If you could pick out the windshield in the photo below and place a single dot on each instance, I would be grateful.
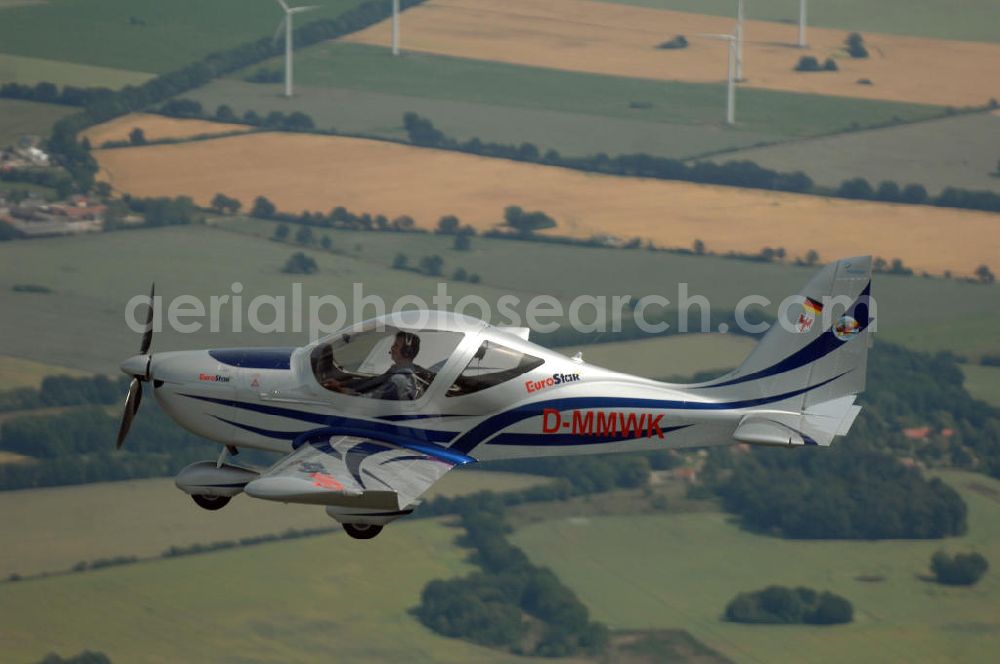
(386, 363)
(492, 364)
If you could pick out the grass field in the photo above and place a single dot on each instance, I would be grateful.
(621, 40)
(81, 324)
(31, 70)
(928, 18)
(958, 152)
(570, 132)
(680, 570)
(326, 597)
(983, 382)
(156, 127)
(59, 527)
(27, 117)
(18, 372)
(163, 37)
(319, 172)
(681, 355)
(529, 84)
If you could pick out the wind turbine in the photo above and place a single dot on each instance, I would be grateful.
(286, 22)
(802, 23)
(731, 75)
(740, 16)
(395, 27)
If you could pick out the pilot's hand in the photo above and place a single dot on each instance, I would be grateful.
(332, 384)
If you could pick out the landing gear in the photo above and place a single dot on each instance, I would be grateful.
(362, 530)
(211, 503)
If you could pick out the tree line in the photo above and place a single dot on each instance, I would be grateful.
(488, 607)
(76, 158)
(777, 605)
(747, 174)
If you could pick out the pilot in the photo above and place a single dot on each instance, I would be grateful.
(398, 383)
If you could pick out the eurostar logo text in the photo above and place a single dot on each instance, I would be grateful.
(554, 379)
(213, 378)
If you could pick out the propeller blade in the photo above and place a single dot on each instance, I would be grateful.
(147, 335)
(129, 410)
(283, 5)
(281, 28)
(299, 10)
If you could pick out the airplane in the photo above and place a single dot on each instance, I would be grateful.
(370, 417)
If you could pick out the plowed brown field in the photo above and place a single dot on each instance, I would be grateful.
(303, 172)
(621, 40)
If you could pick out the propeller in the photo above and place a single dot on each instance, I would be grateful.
(138, 368)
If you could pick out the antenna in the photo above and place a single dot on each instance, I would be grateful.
(395, 27)
(802, 24)
(731, 78)
(286, 23)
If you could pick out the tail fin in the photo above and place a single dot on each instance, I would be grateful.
(807, 370)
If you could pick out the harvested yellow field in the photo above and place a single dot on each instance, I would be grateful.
(621, 40)
(156, 127)
(302, 172)
(18, 372)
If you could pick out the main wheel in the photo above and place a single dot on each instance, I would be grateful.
(362, 530)
(210, 502)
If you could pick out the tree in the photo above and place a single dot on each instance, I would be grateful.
(298, 121)
(262, 208)
(888, 191)
(224, 113)
(527, 223)
(103, 190)
(964, 569)
(304, 235)
(460, 275)
(857, 188)
(137, 136)
(463, 242)
(401, 262)
(699, 247)
(448, 225)
(830, 65)
(679, 41)
(282, 232)
(299, 263)
(915, 194)
(432, 265)
(985, 275)
(807, 63)
(812, 257)
(855, 44)
(221, 203)
(326, 243)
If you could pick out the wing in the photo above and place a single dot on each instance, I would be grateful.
(350, 471)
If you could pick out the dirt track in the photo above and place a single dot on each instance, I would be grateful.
(302, 172)
(621, 40)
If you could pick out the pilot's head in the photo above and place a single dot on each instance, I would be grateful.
(405, 347)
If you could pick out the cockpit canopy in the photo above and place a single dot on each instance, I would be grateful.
(398, 362)
(383, 362)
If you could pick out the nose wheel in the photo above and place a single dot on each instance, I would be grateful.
(362, 530)
(210, 503)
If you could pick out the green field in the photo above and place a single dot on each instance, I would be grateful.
(27, 117)
(18, 372)
(163, 36)
(680, 570)
(983, 382)
(81, 325)
(29, 70)
(325, 598)
(59, 527)
(923, 314)
(950, 152)
(374, 69)
(974, 20)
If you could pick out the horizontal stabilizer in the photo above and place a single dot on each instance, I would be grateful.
(817, 425)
